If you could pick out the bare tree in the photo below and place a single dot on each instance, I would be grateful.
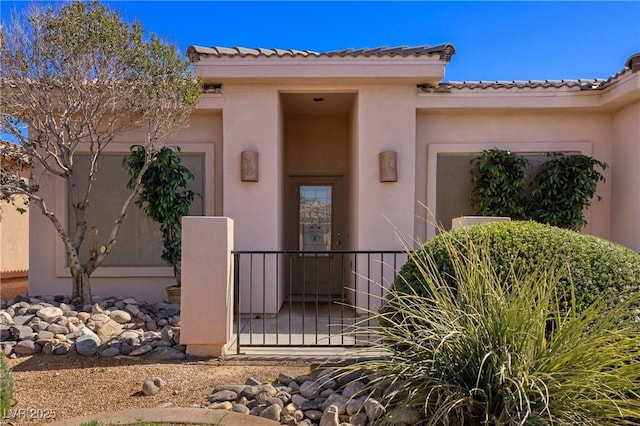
(78, 76)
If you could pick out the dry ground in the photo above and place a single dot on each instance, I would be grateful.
(72, 385)
(49, 387)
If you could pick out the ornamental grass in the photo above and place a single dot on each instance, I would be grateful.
(502, 350)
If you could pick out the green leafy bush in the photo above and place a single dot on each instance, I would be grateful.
(498, 183)
(471, 349)
(6, 386)
(163, 196)
(564, 188)
(594, 264)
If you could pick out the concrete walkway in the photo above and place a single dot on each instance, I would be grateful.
(171, 416)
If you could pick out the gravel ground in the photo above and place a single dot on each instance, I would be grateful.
(48, 387)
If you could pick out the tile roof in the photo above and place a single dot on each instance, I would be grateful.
(632, 65)
(445, 51)
(447, 86)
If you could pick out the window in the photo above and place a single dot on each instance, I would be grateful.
(139, 242)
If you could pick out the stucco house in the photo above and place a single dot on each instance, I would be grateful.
(14, 225)
(346, 150)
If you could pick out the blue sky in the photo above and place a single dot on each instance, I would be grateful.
(507, 40)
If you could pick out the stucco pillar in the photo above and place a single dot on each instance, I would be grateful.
(206, 311)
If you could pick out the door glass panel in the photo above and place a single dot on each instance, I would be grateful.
(314, 211)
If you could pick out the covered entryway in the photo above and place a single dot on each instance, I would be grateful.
(316, 202)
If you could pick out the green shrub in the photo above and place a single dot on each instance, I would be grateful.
(498, 183)
(6, 386)
(480, 352)
(594, 264)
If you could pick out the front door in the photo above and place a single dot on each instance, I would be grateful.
(315, 225)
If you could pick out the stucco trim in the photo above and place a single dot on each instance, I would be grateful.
(434, 149)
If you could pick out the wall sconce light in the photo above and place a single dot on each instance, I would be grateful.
(249, 166)
(388, 166)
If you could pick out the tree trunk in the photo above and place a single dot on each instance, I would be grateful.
(81, 289)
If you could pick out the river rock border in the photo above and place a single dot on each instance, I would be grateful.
(109, 327)
(325, 398)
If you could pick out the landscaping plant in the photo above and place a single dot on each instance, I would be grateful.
(564, 189)
(6, 386)
(559, 193)
(163, 196)
(498, 183)
(80, 77)
(501, 346)
(593, 264)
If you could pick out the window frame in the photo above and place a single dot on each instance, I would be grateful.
(119, 148)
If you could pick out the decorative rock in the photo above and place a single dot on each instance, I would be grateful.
(120, 317)
(285, 379)
(34, 308)
(313, 404)
(57, 329)
(5, 332)
(309, 389)
(22, 332)
(49, 313)
(313, 415)
(223, 395)
(83, 316)
(151, 325)
(27, 347)
(87, 344)
(330, 416)
(132, 309)
(5, 318)
(67, 308)
(39, 326)
(142, 350)
(355, 405)
(272, 412)
(275, 401)
(129, 301)
(45, 335)
(358, 419)
(62, 349)
(110, 351)
(298, 399)
(374, 409)
(337, 401)
(252, 382)
(409, 417)
(48, 348)
(164, 354)
(108, 330)
(240, 408)
(96, 309)
(223, 405)
(152, 385)
(352, 389)
(23, 319)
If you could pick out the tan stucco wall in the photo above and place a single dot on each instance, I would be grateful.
(513, 130)
(48, 273)
(14, 239)
(316, 144)
(251, 122)
(386, 122)
(625, 177)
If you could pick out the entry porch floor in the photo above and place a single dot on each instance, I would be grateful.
(312, 329)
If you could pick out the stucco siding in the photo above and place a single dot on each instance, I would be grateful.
(625, 211)
(49, 275)
(14, 240)
(517, 131)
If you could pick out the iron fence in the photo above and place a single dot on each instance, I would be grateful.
(309, 298)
